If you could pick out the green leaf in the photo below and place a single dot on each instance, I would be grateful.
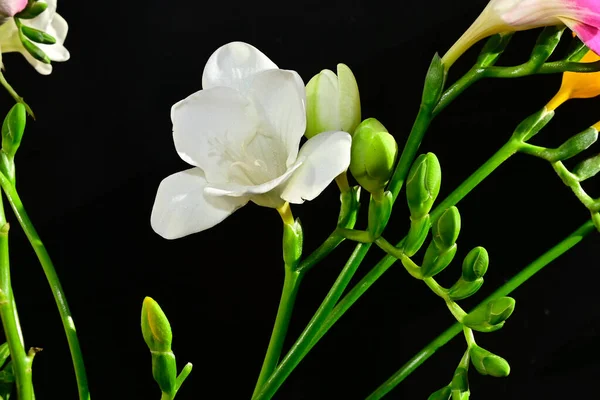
(37, 36)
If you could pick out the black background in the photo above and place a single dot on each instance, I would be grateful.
(89, 167)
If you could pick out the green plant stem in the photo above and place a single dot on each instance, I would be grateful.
(54, 282)
(15, 95)
(282, 321)
(10, 322)
(298, 350)
(516, 281)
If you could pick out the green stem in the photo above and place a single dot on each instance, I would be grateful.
(55, 286)
(21, 362)
(282, 321)
(468, 79)
(15, 95)
(302, 345)
(504, 290)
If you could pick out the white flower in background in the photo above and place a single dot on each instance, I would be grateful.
(48, 21)
(241, 133)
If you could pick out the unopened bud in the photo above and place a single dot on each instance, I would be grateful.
(487, 363)
(475, 264)
(423, 184)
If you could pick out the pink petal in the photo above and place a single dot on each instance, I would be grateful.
(12, 7)
(590, 35)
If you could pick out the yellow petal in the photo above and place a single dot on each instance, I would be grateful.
(578, 85)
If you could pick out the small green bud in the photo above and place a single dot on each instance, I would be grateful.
(373, 156)
(436, 260)
(575, 145)
(292, 243)
(332, 102)
(155, 327)
(442, 394)
(419, 229)
(369, 125)
(35, 51)
(13, 129)
(588, 168)
(32, 10)
(490, 316)
(37, 36)
(423, 184)
(446, 229)
(487, 363)
(531, 125)
(475, 264)
(380, 209)
(463, 289)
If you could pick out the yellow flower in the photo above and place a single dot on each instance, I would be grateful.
(578, 85)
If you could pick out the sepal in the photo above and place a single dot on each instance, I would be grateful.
(293, 240)
(487, 363)
(434, 82)
(436, 260)
(490, 316)
(463, 289)
(419, 229)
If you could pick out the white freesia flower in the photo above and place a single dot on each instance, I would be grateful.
(241, 133)
(48, 21)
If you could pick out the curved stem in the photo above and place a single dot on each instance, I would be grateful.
(10, 322)
(302, 345)
(516, 281)
(55, 286)
(15, 95)
(282, 322)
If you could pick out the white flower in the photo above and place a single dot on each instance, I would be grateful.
(48, 21)
(241, 133)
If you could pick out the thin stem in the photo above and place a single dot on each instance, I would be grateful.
(55, 286)
(10, 323)
(468, 79)
(282, 321)
(302, 345)
(15, 95)
(516, 281)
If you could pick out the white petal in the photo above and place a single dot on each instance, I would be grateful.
(211, 128)
(349, 108)
(57, 29)
(323, 157)
(232, 63)
(280, 99)
(181, 207)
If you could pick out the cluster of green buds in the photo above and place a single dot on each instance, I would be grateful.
(29, 36)
(13, 129)
(157, 334)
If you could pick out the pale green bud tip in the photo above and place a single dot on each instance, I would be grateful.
(369, 125)
(373, 156)
(442, 394)
(155, 326)
(475, 264)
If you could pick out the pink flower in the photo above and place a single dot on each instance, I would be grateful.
(581, 16)
(9, 8)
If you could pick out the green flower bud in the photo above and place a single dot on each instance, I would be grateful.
(373, 156)
(487, 363)
(578, 143)
(158, 336)
(369, 125)
(446, 229)
(475, 264)
(463, 289)
(332, 102)
(13, 129)
(423, 184)
(588, 168)
(434, 81)
(533, 124)
(155, 327)
(292, 243)
(419, 229)
(32, 10)
(490, 316)
(436, 260)
(36, 35)
(380, 209)
(442, 394)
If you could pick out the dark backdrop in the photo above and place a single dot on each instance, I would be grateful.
(89, 167)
